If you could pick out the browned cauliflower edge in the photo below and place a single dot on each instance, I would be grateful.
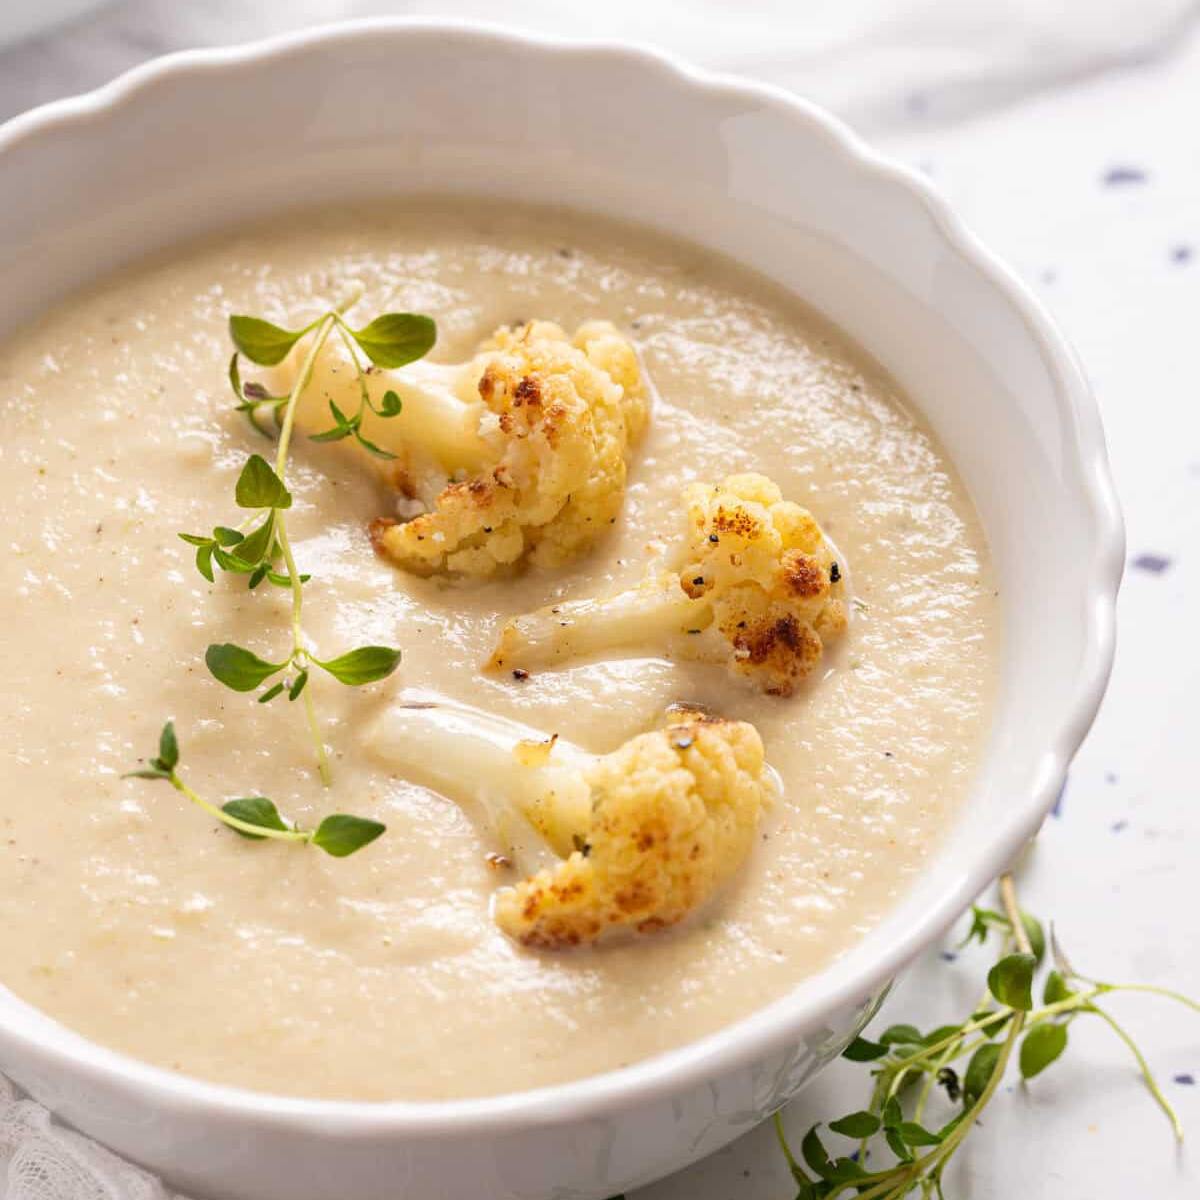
(757, 587)
(673, 815)
(559, 415)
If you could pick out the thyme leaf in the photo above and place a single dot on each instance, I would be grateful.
(260, 549)
(367, 664)
(259, 487)
(262, 342)
(256, 817)
(341, 834)
(257, 811)
(908, 1068)
(1011, 981)
(239, 668)
(396, 339)
(1042, 1045)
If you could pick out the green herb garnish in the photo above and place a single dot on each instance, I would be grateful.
(256, 817)
(908, 1067)
(260, 547)
(392, 340)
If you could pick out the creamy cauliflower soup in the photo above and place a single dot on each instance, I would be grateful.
(835, 751)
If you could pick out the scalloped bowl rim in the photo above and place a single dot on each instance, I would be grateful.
(780, 1020)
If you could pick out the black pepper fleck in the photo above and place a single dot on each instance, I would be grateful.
(835, 573)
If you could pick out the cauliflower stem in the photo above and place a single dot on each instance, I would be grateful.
(757, 588)
(632, 841)
(438, 425)
(657, 613)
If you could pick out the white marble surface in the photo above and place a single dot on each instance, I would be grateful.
(1090, 186)
(1117, 870)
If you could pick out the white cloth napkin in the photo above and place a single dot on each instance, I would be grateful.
(875, 62)
(881, 64)
(41, 1160)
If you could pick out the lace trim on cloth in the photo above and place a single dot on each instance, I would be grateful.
(43, 1160)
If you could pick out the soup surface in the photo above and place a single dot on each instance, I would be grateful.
(133, 917)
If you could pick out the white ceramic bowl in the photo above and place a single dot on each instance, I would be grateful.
(202, 140)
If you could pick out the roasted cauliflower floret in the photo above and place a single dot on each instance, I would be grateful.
(631, 841)
(673, 814)
(757, 588)
(564, 416)
(517, 455)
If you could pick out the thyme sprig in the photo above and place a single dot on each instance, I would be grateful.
(909, 1067)
(260, 547)
(256, 817)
